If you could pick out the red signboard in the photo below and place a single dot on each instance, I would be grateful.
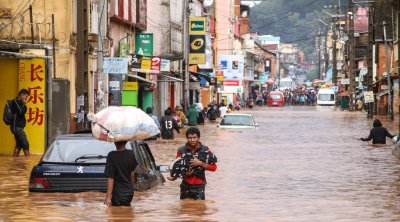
(231, 83)
(155, 63)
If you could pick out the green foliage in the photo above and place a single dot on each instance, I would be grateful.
(295, 21)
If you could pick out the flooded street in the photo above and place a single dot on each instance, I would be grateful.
(300, 164)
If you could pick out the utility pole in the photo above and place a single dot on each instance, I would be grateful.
(31, 24)
(351, 55)
(319, 54)
(334, 62)
(186, 54)
(390, 111)
(326, 56)
(369, 56)
(101, 78)
(398, 50)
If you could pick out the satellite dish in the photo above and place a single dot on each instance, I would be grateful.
(208, 3)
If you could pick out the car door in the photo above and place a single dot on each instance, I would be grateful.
(155, 176)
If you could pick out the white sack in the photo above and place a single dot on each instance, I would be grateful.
(123, 124)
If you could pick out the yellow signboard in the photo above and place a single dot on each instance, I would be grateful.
(130, 86)
(197, 58)
(146, 63)
(32, 76)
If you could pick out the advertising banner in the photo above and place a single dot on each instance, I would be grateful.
(32, 76)
(197, 40)
(144, 44)
(232, 65)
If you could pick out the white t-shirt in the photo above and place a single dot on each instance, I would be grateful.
(223, 110)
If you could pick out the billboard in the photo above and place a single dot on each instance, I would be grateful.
(232, 66)
(197, 40)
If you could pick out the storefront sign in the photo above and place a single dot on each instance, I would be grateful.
(115, 85)
(144, 44)
(130, 86)
(197, 40)
(345, 81)
(123, 49)
(32, 76)
(197, 25)
(155, 63)
(230, 89)
(233, 66)
(197, 52)
(368, 97)
(231, 83)
(219, 73)
(115, 65)
(165, 65)
(146, 63)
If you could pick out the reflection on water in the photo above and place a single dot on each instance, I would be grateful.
(301, 164)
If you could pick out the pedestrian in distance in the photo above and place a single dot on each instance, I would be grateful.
(168, 124)
(180, 116)
(378, 133)
(192, 115)
(17, 125)
(120, 170)
(194, 179)
(149, 111)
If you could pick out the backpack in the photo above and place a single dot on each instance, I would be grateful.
(8, 115)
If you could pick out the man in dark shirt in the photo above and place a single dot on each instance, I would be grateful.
(18, 108)
(168, 124)
(193, 185)
(120, 170)
(378, 133)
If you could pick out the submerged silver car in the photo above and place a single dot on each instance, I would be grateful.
(238, 120)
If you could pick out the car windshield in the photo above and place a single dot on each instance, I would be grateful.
(275, 97)
(326, 97)
(79, 150)
(237, 120)
(285, 83)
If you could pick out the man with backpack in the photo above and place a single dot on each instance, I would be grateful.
(17, 108)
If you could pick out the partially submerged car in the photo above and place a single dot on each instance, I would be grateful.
(76, 163)
(240, 120)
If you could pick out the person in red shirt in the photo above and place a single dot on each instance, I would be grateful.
(194, 181)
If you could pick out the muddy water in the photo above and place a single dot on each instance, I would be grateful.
(301, 164)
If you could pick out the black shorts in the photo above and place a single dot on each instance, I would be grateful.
(121, 200)
(21, 141)
(195, 192)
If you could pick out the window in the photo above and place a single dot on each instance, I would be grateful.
(68, 150)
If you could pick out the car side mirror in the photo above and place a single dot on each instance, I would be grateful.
(163, 168)
(256, 125)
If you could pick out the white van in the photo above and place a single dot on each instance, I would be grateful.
(326, 97)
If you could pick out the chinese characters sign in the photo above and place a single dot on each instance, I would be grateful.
(32, 76)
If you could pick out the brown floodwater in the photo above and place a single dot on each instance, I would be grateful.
(300, 164)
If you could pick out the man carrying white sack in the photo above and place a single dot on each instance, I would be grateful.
(120, 170)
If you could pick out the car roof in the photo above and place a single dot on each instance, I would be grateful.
(237, 114)
(76, 136)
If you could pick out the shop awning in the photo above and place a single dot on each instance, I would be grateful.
(140, 78)
(169, 78)
(198, 75)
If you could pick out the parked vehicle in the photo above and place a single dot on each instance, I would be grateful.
(326, 97)
(276, 98)
(76, 163)
(232, 120)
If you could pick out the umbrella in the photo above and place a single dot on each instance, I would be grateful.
(270, 81)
